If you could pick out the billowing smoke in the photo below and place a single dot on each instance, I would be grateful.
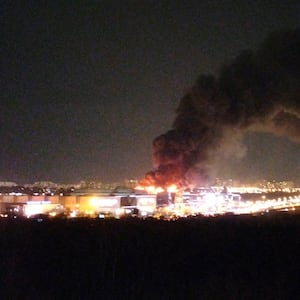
(258, 91)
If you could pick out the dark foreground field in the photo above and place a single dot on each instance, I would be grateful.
(205, 258)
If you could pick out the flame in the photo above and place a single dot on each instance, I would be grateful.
(151, 189)
(172, 188)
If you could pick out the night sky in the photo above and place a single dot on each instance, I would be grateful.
(87, 85)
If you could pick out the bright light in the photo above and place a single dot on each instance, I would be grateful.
(119, 211)
(103, 202)
(73, 214)
(150, 189)
(172, 188)
(94, 201)
(143, 201)
(31, 210)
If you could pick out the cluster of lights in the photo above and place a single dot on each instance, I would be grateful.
(264, 206)
(206, 203)
(218, 206)
(216, 203)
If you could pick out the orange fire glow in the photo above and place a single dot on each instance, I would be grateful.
(172, 188)
(151, 189)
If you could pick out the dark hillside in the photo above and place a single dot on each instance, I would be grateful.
(226, 257)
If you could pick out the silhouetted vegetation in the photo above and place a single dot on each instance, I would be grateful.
(227, 257)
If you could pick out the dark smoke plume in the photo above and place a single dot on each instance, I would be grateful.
(258, 91)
